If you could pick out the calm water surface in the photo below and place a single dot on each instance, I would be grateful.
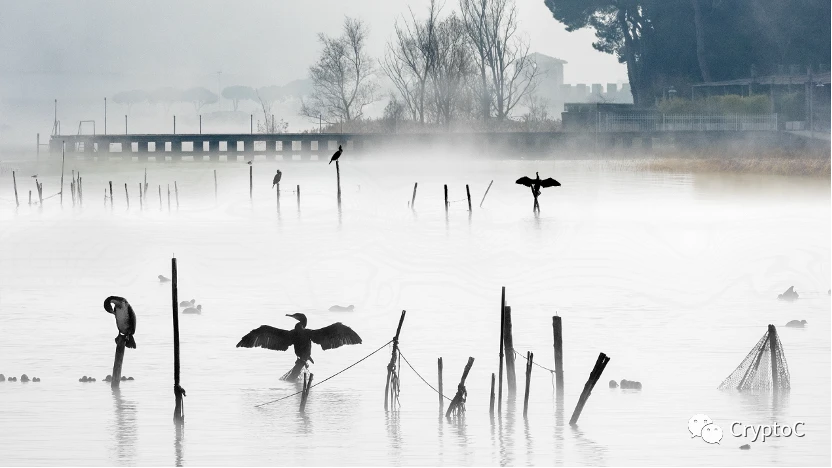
(675, 277)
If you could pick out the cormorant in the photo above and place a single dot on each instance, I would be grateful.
(162, 279)
(329, 337)
(336, 155)
(789, 295)
(125, 318)
(191, 310)
(536, 184)
(337, 308)
(277, 178)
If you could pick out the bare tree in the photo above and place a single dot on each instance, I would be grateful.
(409, 59)
(474, 19)
(452, 68)
(343, 76)
(507, 72)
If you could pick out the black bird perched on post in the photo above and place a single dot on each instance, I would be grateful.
(125, 318)
(336, 155)
(536, 184)
(277, 177)
(329, 337)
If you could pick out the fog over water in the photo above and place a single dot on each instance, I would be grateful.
(674, 276)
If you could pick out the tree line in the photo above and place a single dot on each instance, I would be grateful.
(200, 97)
(473, 65)
(683, 42)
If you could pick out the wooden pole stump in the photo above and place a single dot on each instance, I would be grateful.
(338, 175)
(491, 404)
(529, 363)
(441, 395)
(391, 367)
(600, 364)
(251, 182)
(502, 330)
(304, 396)
(486, 193)
(772, 343)
(63, 158)
(30, 198)
(298, 189)
(119, 358)
(457, 406)
(176, 191)
(508, 345)
(446, 198)
(168, 197)
(557, 335)
(160, 198)
(468, 193)
(126, 196)
(111, 194)
(178, 391)
(141, 198)
(14, 181)
(413, 199)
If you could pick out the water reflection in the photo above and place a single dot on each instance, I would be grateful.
(592, 451)
(177, 443)
(125, 428)
(505, 427)
(559, 428)
(529, 447)
(395, 435)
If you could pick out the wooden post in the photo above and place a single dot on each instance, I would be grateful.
(392, 363)
(508, 345)
(468, 192)
(127, 196)
(215, 185)
(491, 405)
(338, 175)
(72, 187)
(557, 334)
(600, 364)
(141, 198)
(458, 403)
(111, 193)
(529, 363)
(176, 192)
(486, 193)
(30, 198)
(80, 190)
(441, 398)
(446, 198)
(14, 181)
(772, 343)
(251, 182)
(120, 343)
(40, 191)
(304, 396)
(168, 197)
(178, 391)
(145, 181)
(174, 125)
(200, 124)
(63, 158)
(413, 200)
(502, 329)
(298, 197)
(278, 196)
(160, 198)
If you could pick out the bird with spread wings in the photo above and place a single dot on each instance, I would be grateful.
(536, 184)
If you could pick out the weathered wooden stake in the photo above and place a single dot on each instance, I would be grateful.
(491, 405)
(772, 343)
(160, 198)
(413, 200)
(141, 198)
(600, 364)
(215, 185)
(441, 397)
(30, 198)
(502, 330)
(458, 403)
(40, 191)
(446, 198)
(392, 365)
(486, 193)
(126, 196)
(557, 335)
(338, 175)
(468, 192)
(508, 345)
(14, 181)
(176, 191)
(298, 197)
(304, 396)
(145, 181)
(118, 361)
(111, 193)
(178, 391)
(168, 197)
(251, 182)
(529, 363)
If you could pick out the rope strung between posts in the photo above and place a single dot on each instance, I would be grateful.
(552, 373)
(324, 380)
(420, 375)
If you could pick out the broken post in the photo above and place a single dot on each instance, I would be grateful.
(457, 406)
(508, 345)
(557, 334)
(168, 197)
(30, 198)
(391, 367)
(141, 198)
(413, 200)
(529, 362)
(160, 198)
(111, 194)
(441, 398)
(446, 198)
(251, 182)
(121, 341)
(298, 197)
(338, 174)
(145, 181)
(772, 343)
(176, 192)
(486, 193)
(178, 391)
(468, 192)
(40, 191)
(14, 181)
(502, 329)
(126, 196)
(491, 405)
(600, 364)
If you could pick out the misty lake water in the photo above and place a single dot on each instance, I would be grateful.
(674, 276)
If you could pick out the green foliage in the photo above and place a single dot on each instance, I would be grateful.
(715, 105)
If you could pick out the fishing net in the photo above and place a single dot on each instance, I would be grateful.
(764, 368)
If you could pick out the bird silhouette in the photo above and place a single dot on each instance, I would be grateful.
(187, 303)
(162, 279)
(34, 176)
(125, 318)
(278, 175)
(536, 184)
(789, 295)
(301, 338)
(336, 155)
(249, 163)
(193, 310)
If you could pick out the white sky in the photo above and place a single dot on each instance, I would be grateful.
(106, 46)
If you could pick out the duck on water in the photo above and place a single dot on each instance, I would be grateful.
(337, 308)
(193, 310)
(301, 338)
(125, 318)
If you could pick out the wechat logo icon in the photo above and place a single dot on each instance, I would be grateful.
(702, 426)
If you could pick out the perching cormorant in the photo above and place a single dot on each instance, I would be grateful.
(329, 337)
(536, 184)
(125, 318)
(336, 155)
(277, 177)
